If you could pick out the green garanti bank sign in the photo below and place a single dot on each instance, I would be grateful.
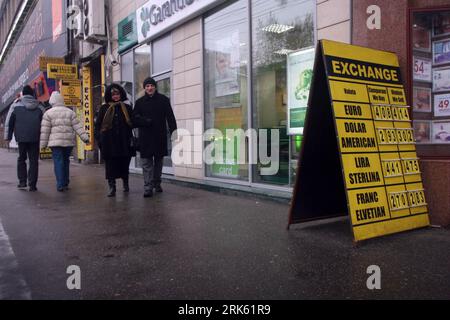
(158, 16)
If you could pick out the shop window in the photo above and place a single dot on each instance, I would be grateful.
(162, 55)
(281, 29)
(127, 73)
(431, 81)
(226, 97)
(142, 58)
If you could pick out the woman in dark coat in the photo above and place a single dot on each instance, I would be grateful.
(113, 128)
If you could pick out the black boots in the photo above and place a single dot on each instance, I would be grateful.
(112, 188)
(148, 194)
(126, 186)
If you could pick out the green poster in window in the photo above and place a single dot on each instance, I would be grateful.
(300, 70)
(227, 119)
(297, 117)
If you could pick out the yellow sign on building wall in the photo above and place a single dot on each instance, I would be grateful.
(44, 61)
(88, 111)
(80, 144)
(379, 168)
(71, 92)
(62, 71)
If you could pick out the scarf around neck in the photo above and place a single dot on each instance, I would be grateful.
(109, 115)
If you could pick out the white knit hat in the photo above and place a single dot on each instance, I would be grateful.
(56, 100)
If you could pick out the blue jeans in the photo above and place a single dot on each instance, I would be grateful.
(61, 163)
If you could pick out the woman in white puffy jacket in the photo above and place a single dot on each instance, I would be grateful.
(58, 132)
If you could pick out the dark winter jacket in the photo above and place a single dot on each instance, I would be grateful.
(115, 142)
(25, 120)
(152, 115)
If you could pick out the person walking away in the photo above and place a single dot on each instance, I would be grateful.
(113, 129)
(24, 121)
(58, 132)
(8, 116)
(151, 115)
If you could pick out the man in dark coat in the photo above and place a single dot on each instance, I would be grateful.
(24, 121)
(151, 115)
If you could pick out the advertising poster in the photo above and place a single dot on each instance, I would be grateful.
(421, 99)
(422, 131)
(57, 19)
(441, 132)
(227, 118)
(300, 67)
(227, 62)
(442, 105)
(441, 52)
(441, 80)
(422, 69)
(40, 86)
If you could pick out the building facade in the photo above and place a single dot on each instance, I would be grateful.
(29, 29)
(230, 65)
(224, 66)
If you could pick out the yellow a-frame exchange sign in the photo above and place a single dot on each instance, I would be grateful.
(359, 154)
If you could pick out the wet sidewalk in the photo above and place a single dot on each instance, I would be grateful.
(191, 244)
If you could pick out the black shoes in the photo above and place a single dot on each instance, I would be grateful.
(112, 188)
(148, 194)
(111, 193)
(65, 188)
(126, 186)
(22, 186)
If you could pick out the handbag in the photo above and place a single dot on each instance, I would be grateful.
(134, 144)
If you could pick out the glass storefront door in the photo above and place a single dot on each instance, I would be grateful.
(163, 84)
(279, 29)
(140, 70)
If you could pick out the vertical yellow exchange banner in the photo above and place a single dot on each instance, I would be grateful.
(88, 110)
(80, 144)
(382, 178)
(102, 62)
